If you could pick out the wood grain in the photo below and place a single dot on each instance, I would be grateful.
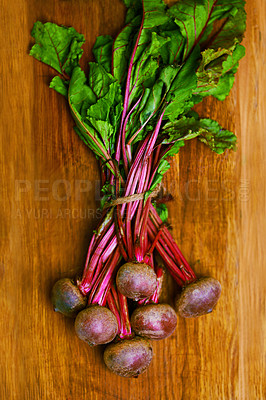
(49, 195)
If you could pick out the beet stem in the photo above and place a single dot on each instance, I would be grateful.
(118, 305)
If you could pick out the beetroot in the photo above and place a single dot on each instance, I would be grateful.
(198, 298)
(67, 299)
(133, 108)
(96, 325)
(136, 280)
(128, 358)
(154, 321)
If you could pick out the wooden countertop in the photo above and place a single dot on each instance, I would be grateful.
(218, 218)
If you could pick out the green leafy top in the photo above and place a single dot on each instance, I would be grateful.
(164, 61)
(59, 47)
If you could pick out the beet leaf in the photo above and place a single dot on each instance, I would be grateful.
(163, 62)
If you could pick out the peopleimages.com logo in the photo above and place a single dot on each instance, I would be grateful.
(192, 190)
(80, 199)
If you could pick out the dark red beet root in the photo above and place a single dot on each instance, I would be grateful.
(128, 358)
(198, 298)
(67, 299)
(154, 321)
(136, 280)
(96, 325)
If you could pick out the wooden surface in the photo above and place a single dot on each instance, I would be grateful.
(49, 196)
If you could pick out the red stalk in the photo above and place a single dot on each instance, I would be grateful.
(148, 255)
(160, 274)
(124, 314)
(118, 305)
(114, 308)
(105, 279)
(120, 233)
(169, 239)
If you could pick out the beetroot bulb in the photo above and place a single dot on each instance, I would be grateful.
(198, 298)
(154, 321)
(96, 325)
(136, 280)
(67, 298)
(128, 358)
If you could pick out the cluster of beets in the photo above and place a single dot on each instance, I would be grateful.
(99, 301)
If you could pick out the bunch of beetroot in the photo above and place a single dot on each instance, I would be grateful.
(104, 321)
(99, 301)
(133, 110)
